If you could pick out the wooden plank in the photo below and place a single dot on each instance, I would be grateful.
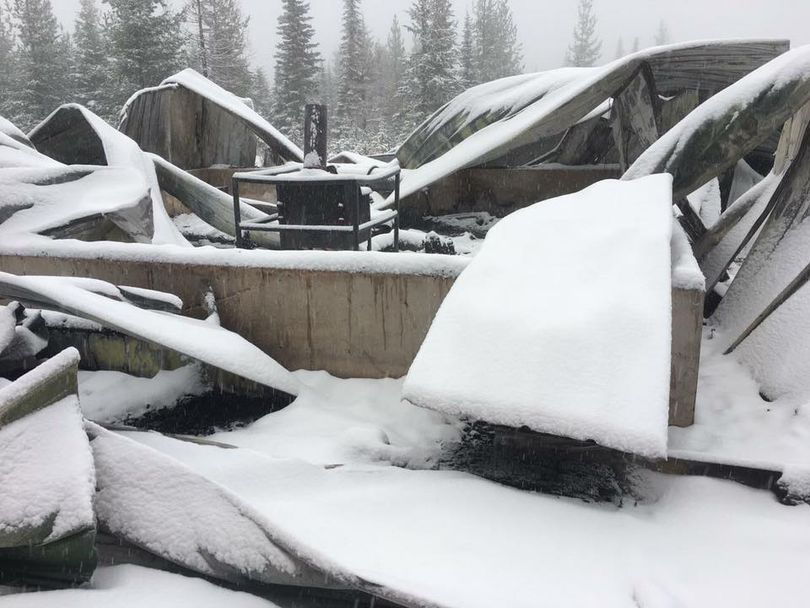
(635, 116)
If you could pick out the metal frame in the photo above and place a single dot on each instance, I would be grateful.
(287, 174)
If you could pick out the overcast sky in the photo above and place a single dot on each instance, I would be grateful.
(545, 26)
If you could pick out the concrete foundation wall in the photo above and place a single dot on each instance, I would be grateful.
(348, 323)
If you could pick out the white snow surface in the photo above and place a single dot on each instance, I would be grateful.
(9, 128)
(109, 396)
(338, 421)
(706, 202)
(562, 323)
(46, 470)
(204, 341)
(734, 424)
(328, 261)
(8, 323)
(436, 537)
(686, 273)
(194, 81)
(104, 190)
(128, 586)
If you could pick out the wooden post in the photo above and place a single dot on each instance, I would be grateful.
(315, 125)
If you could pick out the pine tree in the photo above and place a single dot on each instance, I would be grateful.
(394, 74)
(636, 44)
(620, 49)
(351, 114)
(431, 79)
(297, 68)
(662, 35)
(260, 93)
(586, 48)
(218, 32)
(146, 44)
(496, 50)
(43, 63)
(467, 50)
(91, 61)
(8, 65)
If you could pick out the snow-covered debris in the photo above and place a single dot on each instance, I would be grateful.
(443, 538)
(112, 397)
(203, 341)
(127, 586)
(562, 323)
(716, 135)
(46, 469)
(109, 146)
(686, 273)
(194, 81)
(157, 503)
(488, 121)
(9, 128)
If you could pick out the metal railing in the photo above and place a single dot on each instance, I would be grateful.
(296, 175)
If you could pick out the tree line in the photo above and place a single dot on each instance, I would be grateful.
(377, 91)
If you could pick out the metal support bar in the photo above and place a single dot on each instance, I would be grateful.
(237, 214)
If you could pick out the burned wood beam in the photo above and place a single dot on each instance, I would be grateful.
(315, 129)
(635, 116)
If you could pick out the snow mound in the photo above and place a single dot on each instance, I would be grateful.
(563, 321)
(46, 469)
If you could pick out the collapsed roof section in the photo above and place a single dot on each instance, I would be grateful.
(495, 119)
(194, 123)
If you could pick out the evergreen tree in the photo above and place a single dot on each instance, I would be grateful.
(260, 93)
(354, 56)
(146, 44)
(43, 63)
(636, 44)
(297, 68)
(586, 48)
(219, 43)
(431, 79)
(8, 66)
(496, 51)
(395, 67)
(662, 35)
(620, 49)
(467, 50)
(91, 61)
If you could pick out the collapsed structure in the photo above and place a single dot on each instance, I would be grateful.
(577, 332)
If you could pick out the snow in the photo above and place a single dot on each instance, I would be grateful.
(335, 421)
(150, 499)
(127, 586)
(706, 202)
(202, 341)
(194, 81)
(405, 263)
(449, 539)
(8, 322)
(755, 200)
(46, 471)
(121, 151)
(781, 72)
(734, 424)
(10, 129)
(108, 396)
(95, 190)
(686, 273)
(562, 322)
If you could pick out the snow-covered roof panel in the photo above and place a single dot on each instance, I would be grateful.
(562, 322)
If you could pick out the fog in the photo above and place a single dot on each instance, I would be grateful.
(545, 25)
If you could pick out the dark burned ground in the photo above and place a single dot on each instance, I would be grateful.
(207, 414)
(542, 463)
